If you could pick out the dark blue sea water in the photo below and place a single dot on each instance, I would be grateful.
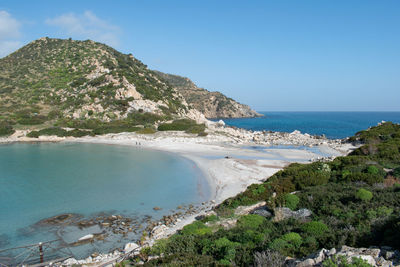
(331, 124)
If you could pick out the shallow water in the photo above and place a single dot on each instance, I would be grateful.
(38, 181)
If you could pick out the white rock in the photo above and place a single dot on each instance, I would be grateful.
(130, 247)
(86, 237)
(70, 261)
(244, 210)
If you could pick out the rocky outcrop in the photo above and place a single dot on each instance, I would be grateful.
(384, 256)
(286, 213)
(211, 104)
(244, 210)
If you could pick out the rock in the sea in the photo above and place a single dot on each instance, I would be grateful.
(86, 237)
(156, 208)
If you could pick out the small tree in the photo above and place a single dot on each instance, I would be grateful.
(291, 201)
(364, 195)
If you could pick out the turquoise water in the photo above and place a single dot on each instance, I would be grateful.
(332, 124)
(38, 181)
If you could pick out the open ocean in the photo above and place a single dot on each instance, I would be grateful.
(331, 124)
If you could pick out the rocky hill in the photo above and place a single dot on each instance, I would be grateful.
(211, 104)
(50, 79)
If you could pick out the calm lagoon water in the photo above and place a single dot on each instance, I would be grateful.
(332, 124)
(39, 181)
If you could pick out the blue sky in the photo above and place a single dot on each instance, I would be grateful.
(273, 55)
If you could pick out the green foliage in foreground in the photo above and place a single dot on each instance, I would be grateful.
(351, 203)
(6, 128)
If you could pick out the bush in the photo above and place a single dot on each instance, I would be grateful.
(293, 239)
(363, 195)
(315, 228)
(251, 221)
(372, 169)
(146, 131)
(33, 134)
(196, 129)
(6, 129)
(396, 172)
(196, 228)
(291, 201)
(178, 125)
(384, 211)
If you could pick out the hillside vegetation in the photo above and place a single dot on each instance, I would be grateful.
(354, 200)
(53, 78)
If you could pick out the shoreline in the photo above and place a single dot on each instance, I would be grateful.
(228, 166)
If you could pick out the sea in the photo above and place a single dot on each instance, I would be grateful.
(334, 125)
(42, 180)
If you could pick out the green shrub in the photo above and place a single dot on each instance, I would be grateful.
(6, 129)
(196, 228)
(363, 195)
(146, 131)
(211, 218)
(384, 211)
(33, 134)
(251, 221)
(196, 129)
(293, 239)
(372, 169)
(396, 172)
(178, 125)
(315, 228)
(291, 201)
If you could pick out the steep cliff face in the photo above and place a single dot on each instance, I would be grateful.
(211, 104)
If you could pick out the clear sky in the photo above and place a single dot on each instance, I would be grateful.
(340, 55)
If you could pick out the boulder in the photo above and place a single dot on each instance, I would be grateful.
(245, 210)
(262, 212)
(129, 247)
(286, 213)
